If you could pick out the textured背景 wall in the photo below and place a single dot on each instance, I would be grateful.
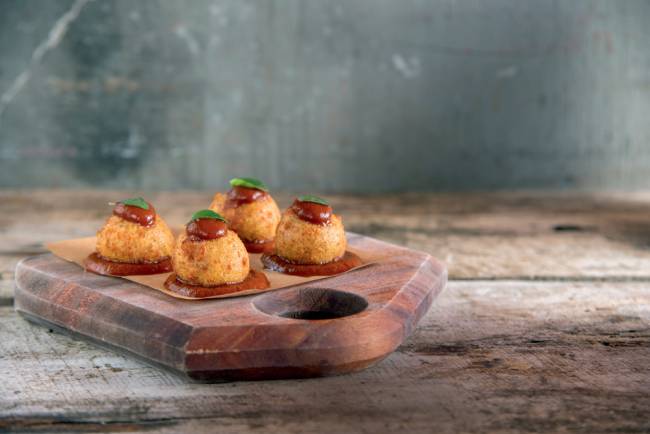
(337, 95)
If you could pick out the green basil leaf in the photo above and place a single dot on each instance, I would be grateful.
(136, 201)
(207, 214)
(249, 183)
(314, 199)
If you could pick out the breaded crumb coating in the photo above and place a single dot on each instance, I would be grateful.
(211, 262)
(306, 243)
(255, 221)
(120, 240)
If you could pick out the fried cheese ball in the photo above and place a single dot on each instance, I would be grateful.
(255, 221)
(303, 242)
(211, 262)
(120, 240)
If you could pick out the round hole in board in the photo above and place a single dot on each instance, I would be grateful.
(311, 303)
(568, 228)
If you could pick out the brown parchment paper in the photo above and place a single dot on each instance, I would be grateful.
(77, 251)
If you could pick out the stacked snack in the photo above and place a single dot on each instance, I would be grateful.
(209, 259)
(251, 212)
(134, 240)
(310, 240)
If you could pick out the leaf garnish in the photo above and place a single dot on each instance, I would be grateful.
(207, 214)
(312, 198)
(135, 201)
(249, 183)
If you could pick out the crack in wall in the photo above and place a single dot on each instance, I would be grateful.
(54, 37)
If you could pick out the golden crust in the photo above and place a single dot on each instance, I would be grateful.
(305, 243)
(256, 221)
(211, 262)
(120, 240)
(218, 203)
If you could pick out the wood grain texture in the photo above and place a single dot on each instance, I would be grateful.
(489, 356)
(370, 311)
(551, 332)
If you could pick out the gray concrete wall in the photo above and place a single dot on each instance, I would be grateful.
(334, 95)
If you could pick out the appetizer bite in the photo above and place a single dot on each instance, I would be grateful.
(251, 212)
(210, 260)
(134, 240)
(310, 241)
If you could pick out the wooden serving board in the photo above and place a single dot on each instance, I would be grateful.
(325, 327)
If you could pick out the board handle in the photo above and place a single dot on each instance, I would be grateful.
(311, 303)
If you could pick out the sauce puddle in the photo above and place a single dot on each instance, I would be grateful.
(99, 265)
(276, 263)
(254, 280)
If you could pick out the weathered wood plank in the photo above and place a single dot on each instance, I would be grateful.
(479, 236)
(491, 356)
(502, 356)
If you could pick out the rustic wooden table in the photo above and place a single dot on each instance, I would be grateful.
(544, 326)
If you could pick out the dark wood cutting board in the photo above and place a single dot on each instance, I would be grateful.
(326, 327)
